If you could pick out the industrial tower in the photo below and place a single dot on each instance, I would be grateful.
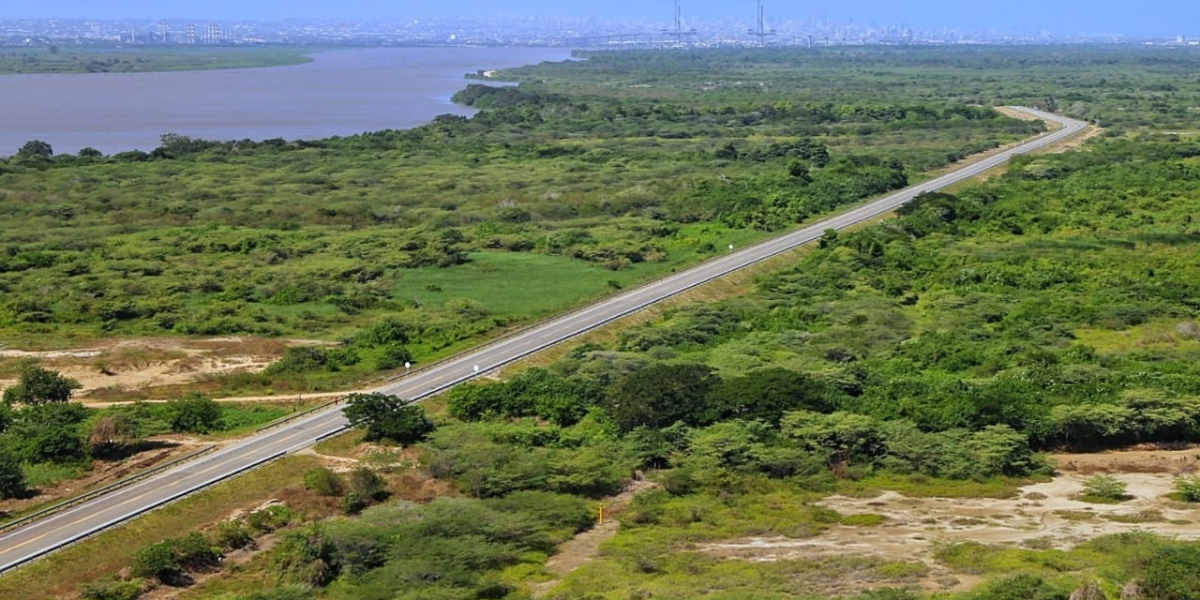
(762, 33)
(679, 33)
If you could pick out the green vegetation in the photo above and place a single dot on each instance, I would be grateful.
(1121, 87)
(99, 59)
(388, 418)
(45, 439)
(37, 386)
(1104, 489)
(98, 558)
(431, 226)
(450, 548)
(1188, 488)
(937, 353)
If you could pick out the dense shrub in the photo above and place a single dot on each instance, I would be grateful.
(1188, 488)
(1105, 488)
(324, 482)
(233, 534)
(194, 413)
(388, 418)
(111, 589)
(12, 476)
(270, 518)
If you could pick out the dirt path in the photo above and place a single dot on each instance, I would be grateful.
(584, 547)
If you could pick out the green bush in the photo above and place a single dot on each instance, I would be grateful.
(111, 588)
(158, 560)
(1172, 573)
(324, 482)
(196, 553)
(50, 433)
(233, 534)
(1105, 488)
(169, 559)
(40, 386)
(393, 356)
(1188, 488)
(388, 417)
(269, 519)
(194, 413)
(367, 483)
(305, 557)
(1021, 587)
(12, 476)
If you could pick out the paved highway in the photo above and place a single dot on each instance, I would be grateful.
(42, 537)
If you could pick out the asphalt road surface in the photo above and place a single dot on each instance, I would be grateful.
(47, 535)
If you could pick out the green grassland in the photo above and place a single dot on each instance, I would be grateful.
(60, 59)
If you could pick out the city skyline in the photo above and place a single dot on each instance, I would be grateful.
(1152, 18)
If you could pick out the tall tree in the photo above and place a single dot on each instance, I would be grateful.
(35, 150)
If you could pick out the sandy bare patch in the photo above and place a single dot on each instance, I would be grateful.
(1044, 515)
(142, 364)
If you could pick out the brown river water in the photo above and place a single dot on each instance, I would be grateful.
(342, 92)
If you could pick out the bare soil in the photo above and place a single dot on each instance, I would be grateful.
(1044, 515)
(114, 367)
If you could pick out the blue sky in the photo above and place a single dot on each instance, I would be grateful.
(1157, 17)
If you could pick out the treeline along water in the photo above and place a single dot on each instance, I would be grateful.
(342, 92)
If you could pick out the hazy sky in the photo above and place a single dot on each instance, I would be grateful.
(1159, 17)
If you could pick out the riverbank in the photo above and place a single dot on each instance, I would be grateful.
(341, 92)
(60, 61)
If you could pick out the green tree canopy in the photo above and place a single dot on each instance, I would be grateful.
(40, 386)
(388, 417)
(12, 477)
(50, 433)
(765, 395)
(35, 150)
(194, 413)
(662, 394)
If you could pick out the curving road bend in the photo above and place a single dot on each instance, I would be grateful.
(47, 535)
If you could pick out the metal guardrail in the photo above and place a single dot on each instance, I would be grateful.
(292, 417)
(104, 526)
(331, 434)
(96, 493)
